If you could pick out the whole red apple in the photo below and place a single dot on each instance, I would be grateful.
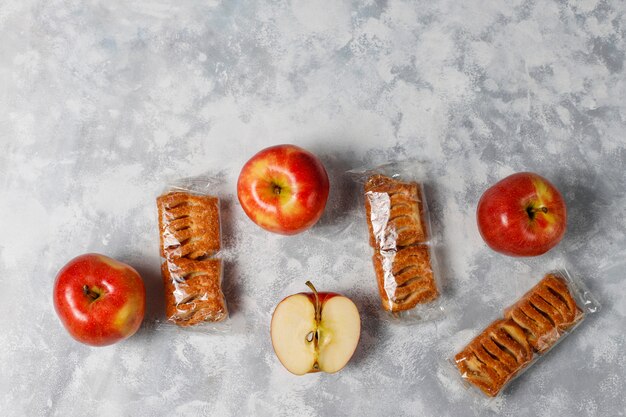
(99, 300)
(522, 215)
(283, 189)
(314, 332)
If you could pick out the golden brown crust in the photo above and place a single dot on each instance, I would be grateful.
(545, 312)
(193, 291)
(189, 225)
(397, 229)
(405, 278)
(495, 356)
(394, 213)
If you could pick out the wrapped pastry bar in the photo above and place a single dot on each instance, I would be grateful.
(495, 356)
(398, 233)
(395, 213)
(531, 326)
(545, 312)
(405, 277)
(193, 291)
(189, 226)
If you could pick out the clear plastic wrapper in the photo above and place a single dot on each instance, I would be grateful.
(525, 331)
(398, 220)
(190, 243)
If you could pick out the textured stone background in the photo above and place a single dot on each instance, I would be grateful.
(101, 103)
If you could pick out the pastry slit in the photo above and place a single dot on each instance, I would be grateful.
(399, 300)
(184, 236)
(477, 369)
(553, 313)
(402, 193)
(405, 269)
(179, 212)
(520, 340)
(176, 205)
(495, 365)
(192, 274)
(498, 352)
(491, 355)
(180, 223)
(184, 314)
(543, 313)
(178, 202)
(555, 302)
(417, 292)
(503, 347)
(531, 312)
(402, 205)
(559, 287)
(172, 217)
(410, 216)
(410, 196)
(187, 299)
(526, 321)
(559, 296)
(478, 358)
(410, 281)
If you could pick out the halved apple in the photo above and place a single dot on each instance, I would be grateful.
(314, 332)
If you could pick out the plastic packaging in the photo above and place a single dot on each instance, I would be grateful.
(526, 331)
(190, 242)
(400, 233)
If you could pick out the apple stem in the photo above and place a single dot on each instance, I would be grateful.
(90, 293)
(532, 210)
(277, 190)
(317, 301)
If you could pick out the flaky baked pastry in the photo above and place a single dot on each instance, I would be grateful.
(193, 291)
(405, 277)
(395, 220)
(533, 324)
(189, 225)
(394, 212)
(495, 356)
(190, 233)
(545, 312)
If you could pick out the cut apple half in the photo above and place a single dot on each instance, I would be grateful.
(314, 332)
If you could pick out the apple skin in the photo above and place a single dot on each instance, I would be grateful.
(522, 215)
(114, 315)
(283, 189)
(323, 297)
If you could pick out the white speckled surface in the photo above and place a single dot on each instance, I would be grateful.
(102, 102)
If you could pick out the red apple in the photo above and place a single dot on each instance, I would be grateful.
(99, 300)
(283, 189)
(522, 215)
(314, 332)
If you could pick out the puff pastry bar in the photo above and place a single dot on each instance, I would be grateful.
(189, 225)
(545, 312)
(405, 277)
(495, 356)
(193, 291)
(394, 212)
